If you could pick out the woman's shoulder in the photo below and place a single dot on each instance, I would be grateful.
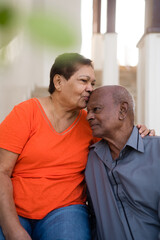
(25, 109)
(25, 103)
(29, 104)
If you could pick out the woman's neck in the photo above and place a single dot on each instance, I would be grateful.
(59, 116)
(60, 110)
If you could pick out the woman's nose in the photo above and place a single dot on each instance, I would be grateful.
(89, 87)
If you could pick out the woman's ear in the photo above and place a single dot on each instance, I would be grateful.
(57, 80)
(123, 111)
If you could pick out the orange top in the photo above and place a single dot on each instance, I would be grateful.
(49, 172)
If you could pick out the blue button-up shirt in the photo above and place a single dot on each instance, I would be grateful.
(125, 193)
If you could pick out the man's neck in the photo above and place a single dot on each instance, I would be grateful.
(119, 140)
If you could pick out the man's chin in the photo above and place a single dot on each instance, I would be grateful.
(95, 134)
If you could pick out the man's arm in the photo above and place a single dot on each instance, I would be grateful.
(9, 220)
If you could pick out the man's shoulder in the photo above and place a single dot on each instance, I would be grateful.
(152, 143)
(151, 139)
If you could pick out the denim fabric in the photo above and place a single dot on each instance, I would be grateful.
(67, 223)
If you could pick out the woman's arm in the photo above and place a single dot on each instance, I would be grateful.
(9, 220)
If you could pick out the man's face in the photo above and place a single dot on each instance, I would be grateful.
(102, 113)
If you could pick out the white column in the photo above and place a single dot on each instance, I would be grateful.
(97, 51)
(110, 63)
(148, 81)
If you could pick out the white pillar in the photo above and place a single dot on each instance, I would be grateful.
(110, 63)
(148, 81)
(97, 51)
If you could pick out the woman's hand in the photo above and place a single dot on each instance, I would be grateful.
(144, 131)
(18, 235)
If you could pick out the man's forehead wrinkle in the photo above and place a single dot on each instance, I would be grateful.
(94, 105)
(94, 98)
(100, 95)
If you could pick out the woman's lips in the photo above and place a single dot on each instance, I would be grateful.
(86, 98)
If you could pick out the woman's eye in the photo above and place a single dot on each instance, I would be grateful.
(84, 80)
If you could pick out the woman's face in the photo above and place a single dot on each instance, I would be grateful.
(75, 91)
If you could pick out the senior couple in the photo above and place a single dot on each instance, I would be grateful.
(44, 146)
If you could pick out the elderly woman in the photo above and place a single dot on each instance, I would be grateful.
(43, 153)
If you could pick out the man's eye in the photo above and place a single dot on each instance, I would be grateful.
(96, 109)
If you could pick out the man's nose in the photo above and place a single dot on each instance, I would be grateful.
(90, 116)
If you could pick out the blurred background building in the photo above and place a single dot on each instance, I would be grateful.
(122, 37)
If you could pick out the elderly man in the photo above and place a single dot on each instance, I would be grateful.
(123, 170)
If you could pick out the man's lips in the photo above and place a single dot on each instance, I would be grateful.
(93, 126)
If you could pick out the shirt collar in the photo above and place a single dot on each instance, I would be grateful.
(135, 141)
(100, 148)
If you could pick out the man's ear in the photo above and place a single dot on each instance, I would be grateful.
(123, 111)
(57, 80)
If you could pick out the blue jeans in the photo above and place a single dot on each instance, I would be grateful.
(67, 223)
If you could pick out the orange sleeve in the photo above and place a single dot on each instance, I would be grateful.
(16, 127)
